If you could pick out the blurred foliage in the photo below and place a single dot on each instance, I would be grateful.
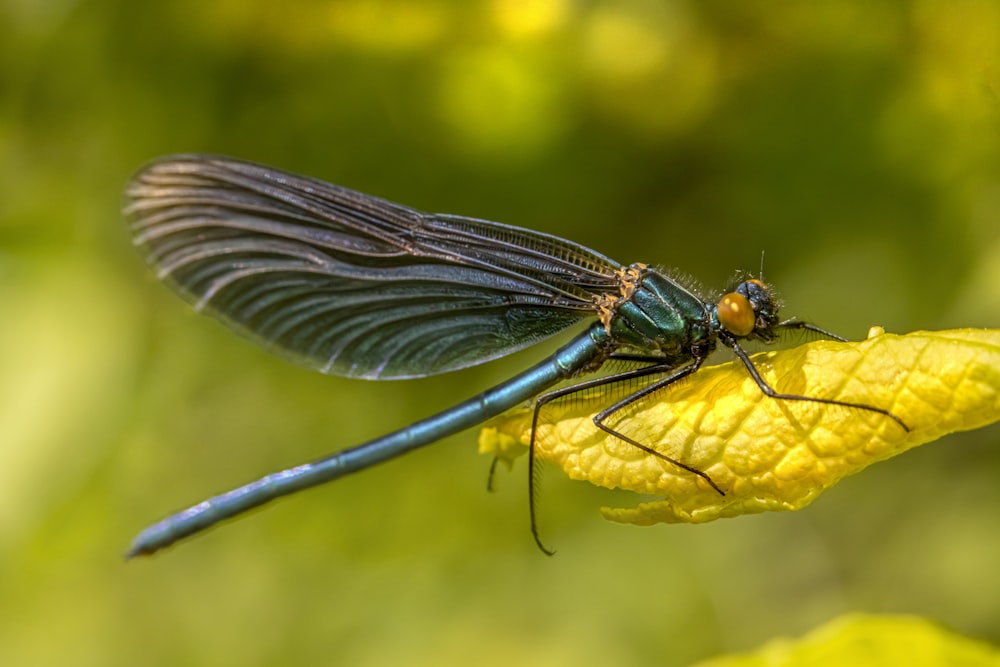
(857, 143)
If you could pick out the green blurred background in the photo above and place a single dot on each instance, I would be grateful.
(857, 143)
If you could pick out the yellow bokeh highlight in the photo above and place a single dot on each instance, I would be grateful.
(959, 38)
(941, 123)
(649, 51)
(624, 41)
(498, 104)
(387, 27)
(528, 18)
(378, 27)
(769, 454)
(66, 356)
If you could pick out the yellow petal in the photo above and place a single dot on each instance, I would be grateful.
(769, 454)
(864, 640)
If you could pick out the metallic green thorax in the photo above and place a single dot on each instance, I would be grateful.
(664, 317)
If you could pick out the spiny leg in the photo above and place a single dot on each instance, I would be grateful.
(658, 366)
(770, 392)
(676, 376)
(805, 326)
(640, 358)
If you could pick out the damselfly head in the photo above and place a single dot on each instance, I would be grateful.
(750, 310)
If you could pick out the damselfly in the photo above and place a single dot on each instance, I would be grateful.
(357, 286)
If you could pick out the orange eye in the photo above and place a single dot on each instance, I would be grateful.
(736, 314)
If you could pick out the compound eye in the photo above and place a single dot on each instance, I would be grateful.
(751, 287)
(736, 314)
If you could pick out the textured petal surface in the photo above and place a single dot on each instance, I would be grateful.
(768, 454)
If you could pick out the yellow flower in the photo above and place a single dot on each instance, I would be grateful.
(768, 454)
(867, 640)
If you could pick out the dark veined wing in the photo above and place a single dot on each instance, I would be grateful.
(351, 284)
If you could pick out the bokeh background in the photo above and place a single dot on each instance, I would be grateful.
(857, 144)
